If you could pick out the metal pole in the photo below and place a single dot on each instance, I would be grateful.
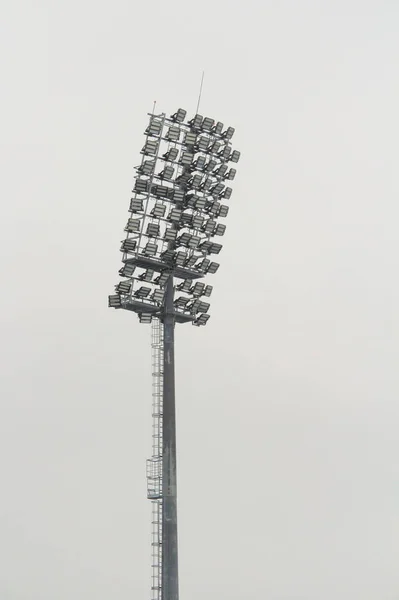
(170, 578)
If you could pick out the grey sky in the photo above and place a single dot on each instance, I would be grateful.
(288, 400)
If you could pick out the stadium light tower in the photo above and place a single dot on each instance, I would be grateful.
(175, 214)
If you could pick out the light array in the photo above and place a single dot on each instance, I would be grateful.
(174, 225)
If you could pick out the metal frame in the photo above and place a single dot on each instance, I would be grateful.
(169, 237)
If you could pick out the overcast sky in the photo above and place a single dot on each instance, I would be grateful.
(288, 408)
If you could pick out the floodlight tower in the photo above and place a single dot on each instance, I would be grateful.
(175, 210)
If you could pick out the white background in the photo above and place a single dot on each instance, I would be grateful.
(288, 400)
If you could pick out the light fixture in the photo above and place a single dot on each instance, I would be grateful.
(123, 287)
(179, 115)
(228, 134)
(175, 213)
(167, 173)
(173, 133)
(127, 270)
(150, 249)
(151, 147)
(133, 225)
(235, 156)
(198, 288)
(128, 245)
(147, 167)
(217, 130)
(171, 154)
(154, 128)
(158, 210)
(142, 292)
(114, 301)
(196, 122)
(153, 229)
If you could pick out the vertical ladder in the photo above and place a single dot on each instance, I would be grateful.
(154, 464)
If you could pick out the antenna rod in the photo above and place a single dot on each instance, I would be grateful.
(200, 92)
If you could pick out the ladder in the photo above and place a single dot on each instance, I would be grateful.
(154, 464)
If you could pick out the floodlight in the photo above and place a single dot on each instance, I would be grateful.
(220, 171)
(223, 210)
(141, 186)
(200, 203)
(158, 295)
(193, 306)
(181, 301)
(133, 225)
(210, 165)
(205, 247)
(123, 287)
(195, 181)
(227, 193)
(197, 221)
(213, 208)
(162, 279)
(147, 275)
(207, 184)
(173, 133)
(184, 239)
(127, 270)
(235, 156)
(174, 215)
(150, 147)
(177, 196)
(202, 320)
(218, 128)
(190, 262)
(228, 134)
(186, 158)
(153, 229)
(128, 245)
(114, 301)
(213, 267)
(168, 255)
(171, 154)
(209, 226)
(147, 167)
(190, 138)
(150, 249)
(204, 265)
(197, 289)
(170, 235)
(167, 173)
(179, 115)
(180, 258)
(215, 147)
(208, 290)
(145, 317)
(160, 191)
(203, 307)
(154, 128)
(193, 242)
(225, 153)
(202, 143)
(207, 124)
(220, 229)
(199, 164)
(217, 189)
(183, 179)
(215, 248)
(142, 292)
(185, 286)
(231, 174)
(158, 210)
(196, 122)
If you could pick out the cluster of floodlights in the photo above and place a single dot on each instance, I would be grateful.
(178, 200)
